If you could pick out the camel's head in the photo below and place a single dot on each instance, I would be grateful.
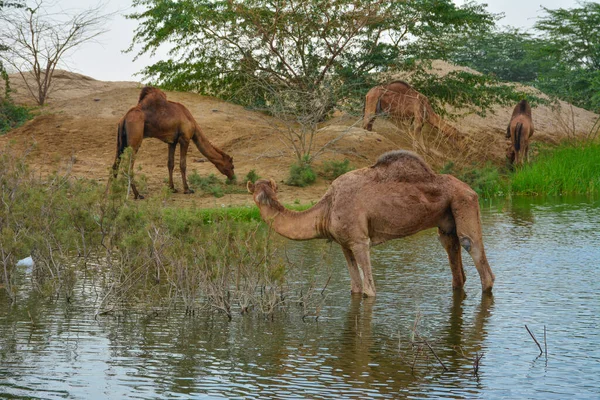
(226, 167)
(264, 191)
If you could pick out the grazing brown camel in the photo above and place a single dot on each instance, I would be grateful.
(156, 117)
(398, 196)
(519, 131)
(401, 101)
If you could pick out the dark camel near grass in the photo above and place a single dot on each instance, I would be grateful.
(399, 100)
(156, 117)
(398, 196)
(519, 131)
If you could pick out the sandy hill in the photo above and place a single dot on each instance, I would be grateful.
(78, 129)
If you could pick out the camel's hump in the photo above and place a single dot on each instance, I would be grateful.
(406, 162)
(150, 91)
(399, 82)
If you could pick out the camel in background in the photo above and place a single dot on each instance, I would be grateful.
(398, 196)
(519, 131)
(156, 117)
(401, 101)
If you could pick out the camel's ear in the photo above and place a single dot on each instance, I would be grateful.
(273, 184)
(250, 187)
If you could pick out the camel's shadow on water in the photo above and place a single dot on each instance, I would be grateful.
(372, 354)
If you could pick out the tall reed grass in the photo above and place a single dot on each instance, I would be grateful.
(137, 254)
(571, 168)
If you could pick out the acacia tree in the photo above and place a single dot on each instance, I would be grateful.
(263, 52)
(35, 42)
(216, 47)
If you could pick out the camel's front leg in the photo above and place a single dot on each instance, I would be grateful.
(355, 278)
(171, 165)
(468, 229)
(363, 259)
(418, 121)
(183, 149)
(452, 245)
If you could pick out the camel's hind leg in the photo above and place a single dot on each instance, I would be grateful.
(134, 128)
(183, 149)
(135, 147)
(451, 243)
(465, 209)
(370, 111)
(418, 120)
(171, 165)
(355, 278)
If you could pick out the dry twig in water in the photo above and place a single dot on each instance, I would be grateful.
(535, 340)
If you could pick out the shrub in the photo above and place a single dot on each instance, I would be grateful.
(12, 116)
(210, 184)
(333, 169)
(301, 175)
(252, 176)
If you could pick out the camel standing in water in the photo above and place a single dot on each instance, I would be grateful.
(398, 196)
(519, 131)
(156, 117)
(401, 101)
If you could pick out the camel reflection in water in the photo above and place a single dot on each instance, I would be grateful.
(374, 357)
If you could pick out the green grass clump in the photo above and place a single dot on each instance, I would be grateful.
(252, 176)
(301, 175)
(12, 116)
(213, 185)
(486, 181)
(572, 168)
(333, 169)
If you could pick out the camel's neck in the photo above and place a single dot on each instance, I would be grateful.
(296, 225)
(435, 120)
(205, 147)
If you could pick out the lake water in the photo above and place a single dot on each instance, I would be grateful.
(545, 254)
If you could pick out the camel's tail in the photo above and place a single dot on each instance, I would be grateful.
(121, 144)
(378, 106)
(518, 133)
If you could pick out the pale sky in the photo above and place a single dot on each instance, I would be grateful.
(105, 60)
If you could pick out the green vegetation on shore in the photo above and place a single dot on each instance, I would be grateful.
(487, 181)
(146, 254)
(139, 254)
(572, 168)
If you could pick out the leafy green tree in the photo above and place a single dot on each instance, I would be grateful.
(572, 54)
(507, 54)
(218, 47)
(561, 56)
(576, 33)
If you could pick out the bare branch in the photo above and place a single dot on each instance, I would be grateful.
(36, 41)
